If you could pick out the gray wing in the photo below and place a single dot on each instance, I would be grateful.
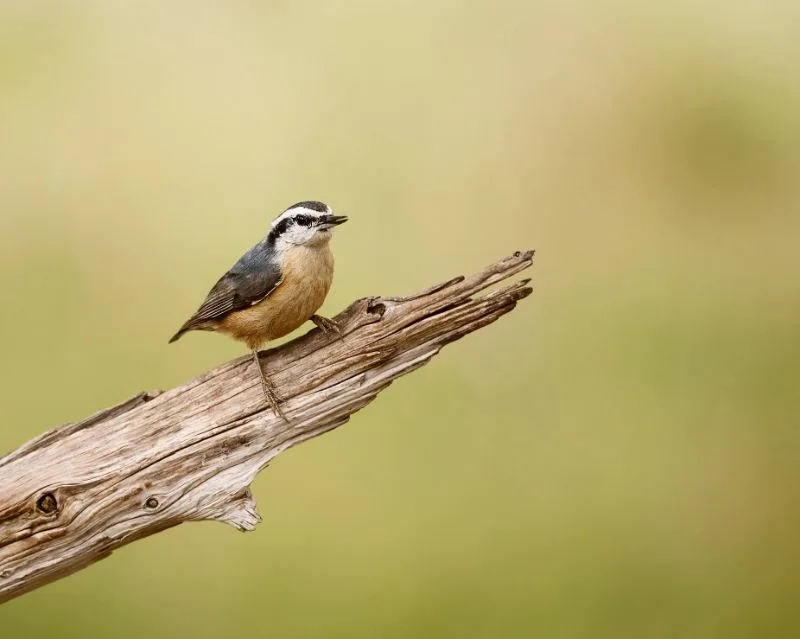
(251, 280)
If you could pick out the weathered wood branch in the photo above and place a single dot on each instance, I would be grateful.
(71, 496)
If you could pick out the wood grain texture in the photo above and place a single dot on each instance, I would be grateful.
(71, 496)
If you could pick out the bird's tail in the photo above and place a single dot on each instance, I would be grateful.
(192, 324)
(178, 335)
(187, 326)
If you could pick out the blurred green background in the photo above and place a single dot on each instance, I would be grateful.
(619, 457)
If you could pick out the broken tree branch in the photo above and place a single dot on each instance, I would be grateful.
(71, 496)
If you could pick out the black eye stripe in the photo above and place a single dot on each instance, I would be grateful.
(287, 222)
(282, 226)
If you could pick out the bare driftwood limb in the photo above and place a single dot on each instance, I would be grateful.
(71, 496)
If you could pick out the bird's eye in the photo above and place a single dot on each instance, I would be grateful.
(303, 220)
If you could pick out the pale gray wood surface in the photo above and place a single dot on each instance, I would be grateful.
(74, 494)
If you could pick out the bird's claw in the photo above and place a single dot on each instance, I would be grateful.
(274, 400)
(269, 390)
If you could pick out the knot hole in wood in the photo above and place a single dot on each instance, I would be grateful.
(47, 504)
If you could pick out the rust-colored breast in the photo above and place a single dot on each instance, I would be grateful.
(307, 276)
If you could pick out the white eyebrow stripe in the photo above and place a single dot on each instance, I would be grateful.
(296, 211)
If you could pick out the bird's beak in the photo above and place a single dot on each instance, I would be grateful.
(329, 221)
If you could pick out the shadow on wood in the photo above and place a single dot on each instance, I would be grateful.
(74, 494)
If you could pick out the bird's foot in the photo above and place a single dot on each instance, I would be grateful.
(274, 400)
(270, 394)
(327, 325)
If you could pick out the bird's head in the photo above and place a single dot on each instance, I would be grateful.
(305, 223)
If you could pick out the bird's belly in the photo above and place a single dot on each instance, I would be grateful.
(293, 302)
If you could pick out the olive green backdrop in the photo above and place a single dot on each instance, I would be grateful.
(617, 458)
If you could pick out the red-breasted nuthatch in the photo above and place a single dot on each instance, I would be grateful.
(274, 287)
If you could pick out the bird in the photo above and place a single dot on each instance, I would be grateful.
(275, 287)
